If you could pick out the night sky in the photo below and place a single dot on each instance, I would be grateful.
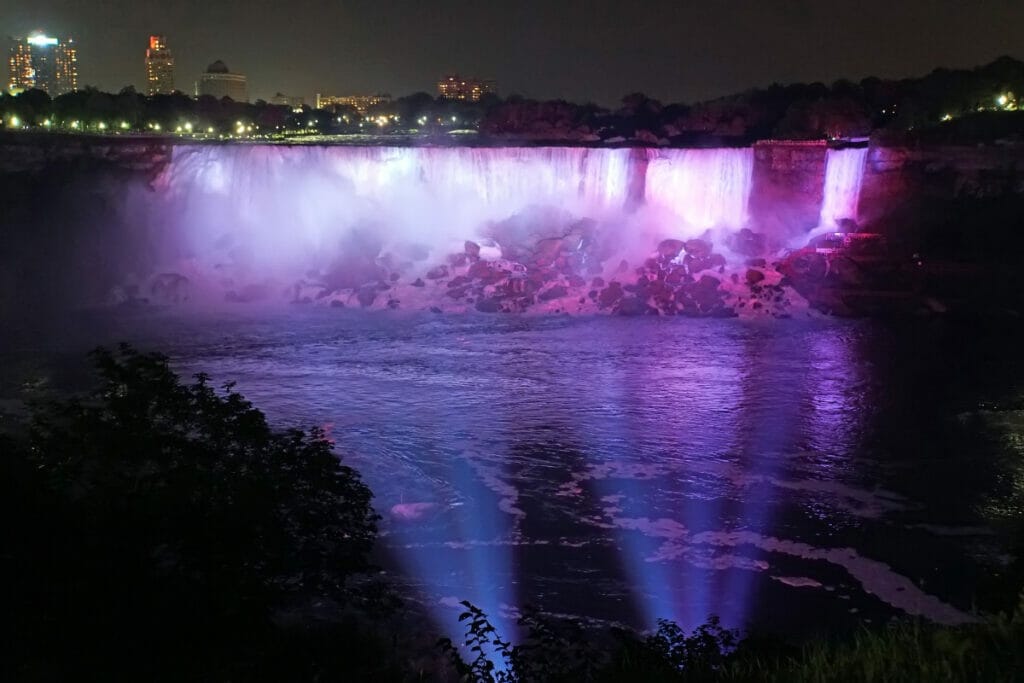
(581, 50)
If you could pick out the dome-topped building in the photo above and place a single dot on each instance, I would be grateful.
(218, 81)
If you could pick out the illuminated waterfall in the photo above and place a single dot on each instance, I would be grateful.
(705, 188)
(844, 173)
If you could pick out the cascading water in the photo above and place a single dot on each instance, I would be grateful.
(844, 173)
(285, 202)
(705, 188)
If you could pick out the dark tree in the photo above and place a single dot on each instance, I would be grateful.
(166, 520)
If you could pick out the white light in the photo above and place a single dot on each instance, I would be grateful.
(74, 124)
(156, 126)
(188, 127)
(15, 122)
(102, 126)
(40, 40)
(210, 129)
(124, 125)
(1002, 100)
(947, 117)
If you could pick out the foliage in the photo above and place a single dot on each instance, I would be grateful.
(174, 517)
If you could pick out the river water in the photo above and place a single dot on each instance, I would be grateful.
(795, 475)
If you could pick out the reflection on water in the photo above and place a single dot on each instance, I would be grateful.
(798, 475)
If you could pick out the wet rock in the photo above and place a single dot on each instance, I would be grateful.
(555, 292)
(169, 288)
(437, 273)
(457, 260)
(366, 295)
(457, 292)
(670, 248)
(633, 306)
(472, 249)
(597, 282)
(337, 304)
(458, 281)
(577, 281)
(697, 248)
(394, 277)
(623, 266)
(748, 243)
(756, 262)
(248, 294)
(754, 276)
(419, 283)
(435, 309)
(610, 295)
(481, 270)
(488, 305)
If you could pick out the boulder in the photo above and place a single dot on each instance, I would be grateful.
(610, 295)
(419, 283)
(754, 276)
(556, 292)
(698, 248)
(488, 305)
(366, 294)
(748, 243)
(670, 248)
(437, 273)
(472, 249)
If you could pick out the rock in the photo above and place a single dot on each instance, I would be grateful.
(488, 305)
(610, 295)
(458, 281)
(555, 292)
(435, 309)
(457, 260)
(632, 306)
(754, 276)
(697, 248)
(756, 262)
(597, 282)
(748, 243)
(670, 248)
(337, 304)
(419, 283)
(623, 266)
(394, 277)
(472, 249)
(437, 273)
(366, 295)
(577, 281)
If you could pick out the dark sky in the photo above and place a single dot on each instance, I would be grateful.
(581, 50)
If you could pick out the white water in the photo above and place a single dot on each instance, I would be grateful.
(844, 173)
(703, 188)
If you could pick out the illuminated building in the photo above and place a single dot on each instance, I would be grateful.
(361, 103)
(159, 67)
(44, 63)
(219, 82)
(296, 103)
(455, 87)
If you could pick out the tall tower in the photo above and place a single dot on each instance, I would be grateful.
(44, 63)
(159, 67)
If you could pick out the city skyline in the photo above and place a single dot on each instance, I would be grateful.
(596, 51)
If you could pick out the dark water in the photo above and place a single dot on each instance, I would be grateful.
(796, 475)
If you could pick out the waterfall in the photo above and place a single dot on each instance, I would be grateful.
(705, 188)
(844, 172)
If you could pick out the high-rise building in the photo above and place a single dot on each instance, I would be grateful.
(296, 102)
(360, 103)
(44, 63)
(219, 82)
(455, 87)
(159, 67)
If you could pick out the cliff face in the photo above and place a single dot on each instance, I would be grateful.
(34, 153)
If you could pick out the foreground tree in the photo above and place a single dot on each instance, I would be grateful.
(163, 526)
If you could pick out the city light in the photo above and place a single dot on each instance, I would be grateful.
(101, 126)
(14, 122)
(41, 40)
(125, 125)
(47, 122)
(1001, 100)
(210, 129)
(947, 117)
(75, 124)
(188, 127)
